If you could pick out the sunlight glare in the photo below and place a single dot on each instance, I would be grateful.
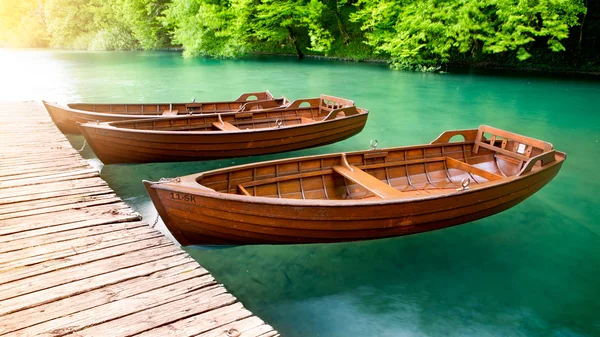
(34, 75)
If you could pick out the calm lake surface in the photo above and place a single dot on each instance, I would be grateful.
(533, 270)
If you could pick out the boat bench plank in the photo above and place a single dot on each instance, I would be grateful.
(307, 174)
(500, 150)
(170, 112)
(545, 146)
(374, 185)
(457, 164)
(243, 190)
(225, 126)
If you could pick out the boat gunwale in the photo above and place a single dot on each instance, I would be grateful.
(275, 215)
(67, 108)
(188, 184)
(108, 126)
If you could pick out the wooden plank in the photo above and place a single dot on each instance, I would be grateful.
(545, 159)
(39, 254)
(15, 274)
(60, 199)
(40, 172)
(35, 155)
(370, 183)
(243, 190)
(30, 221)
(43, 240)
(40, 158)
(501, 151)
(247, 327)
(40, 242)
(37, 298)
(94, 298)
(61, 206)
(41, 145)
(329, 171)
(27, 167)
(37, 221)
(6, 195)
(198, 287)
(225, 126)
(98, 218)
(94, 268)
(271, 334)
(457, 164)
(305, 120)
(285, 177)
(77, 174)
(202, 323)
(545, 146)
(32, 198)
(193, 304)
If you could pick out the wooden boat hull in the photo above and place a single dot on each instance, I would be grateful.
(197, 216)
(113, 146)
(67, 118)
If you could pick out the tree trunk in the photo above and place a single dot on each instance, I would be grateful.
(295, 42)
(581, 27)
(341, 26)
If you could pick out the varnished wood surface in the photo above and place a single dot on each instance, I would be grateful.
(67, 117)
(217, 136)
(77, 261)
(358, 195)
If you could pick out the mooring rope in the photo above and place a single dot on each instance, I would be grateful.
(84, 144)
(155, 221)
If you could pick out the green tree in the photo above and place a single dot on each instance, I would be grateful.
(288, 21)
(519, 23)
(143, 19)
(425, 34)
(204, 27)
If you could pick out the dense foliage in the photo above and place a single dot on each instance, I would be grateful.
(418, 34)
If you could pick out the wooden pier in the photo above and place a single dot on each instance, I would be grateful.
(77, 261)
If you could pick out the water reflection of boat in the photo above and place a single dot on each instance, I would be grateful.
(322, 121)
(67, 117)
(358, 195)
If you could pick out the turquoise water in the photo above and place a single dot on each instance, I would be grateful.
(533, 270)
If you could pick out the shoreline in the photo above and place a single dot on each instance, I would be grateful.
(482, 66)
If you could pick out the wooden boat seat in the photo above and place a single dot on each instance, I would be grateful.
(225, 126)
(457, 164)
(349, 111)
(170, 112)
(370, 183)
(524, 146)
(510, 161)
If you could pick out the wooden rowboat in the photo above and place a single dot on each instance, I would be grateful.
(359, 195)
(226, 135)
(67, 117)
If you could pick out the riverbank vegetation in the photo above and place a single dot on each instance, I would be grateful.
(409, 34)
